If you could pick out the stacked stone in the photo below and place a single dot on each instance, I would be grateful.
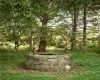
(49, 62)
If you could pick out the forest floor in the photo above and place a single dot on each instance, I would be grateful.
(86, 67)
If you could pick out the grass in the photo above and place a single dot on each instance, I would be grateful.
(86, 67)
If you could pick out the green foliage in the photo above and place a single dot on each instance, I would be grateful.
(87, 1)
(95, 49)
(20, 18)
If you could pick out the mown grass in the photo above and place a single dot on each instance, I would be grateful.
(86, 67)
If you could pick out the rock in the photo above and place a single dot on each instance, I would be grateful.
(49, 62)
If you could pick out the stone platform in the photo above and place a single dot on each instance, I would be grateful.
(49, 62)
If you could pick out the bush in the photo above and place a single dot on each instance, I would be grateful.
(95, 49)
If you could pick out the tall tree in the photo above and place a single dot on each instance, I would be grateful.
(46, 11)
(42, 44)
(84, 28)
(74, 28)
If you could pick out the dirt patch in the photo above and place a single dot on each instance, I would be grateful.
(29, 71)
(17, 69)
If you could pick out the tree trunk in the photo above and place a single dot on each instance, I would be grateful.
(84, 29)
(74, 30)
(16, 44)
(32, 44)
(42, 44)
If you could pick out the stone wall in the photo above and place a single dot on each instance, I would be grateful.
(49, 62)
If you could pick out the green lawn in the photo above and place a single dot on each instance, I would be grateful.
(86, 67)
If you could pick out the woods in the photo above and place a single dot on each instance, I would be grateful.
(21, 18)
(50, 28)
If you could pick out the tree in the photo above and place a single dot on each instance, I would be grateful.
(74, 29)
(46, 11)
(84, 29)
(42, 44)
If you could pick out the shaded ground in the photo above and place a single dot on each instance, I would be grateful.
(86, 67)
(25, 71)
